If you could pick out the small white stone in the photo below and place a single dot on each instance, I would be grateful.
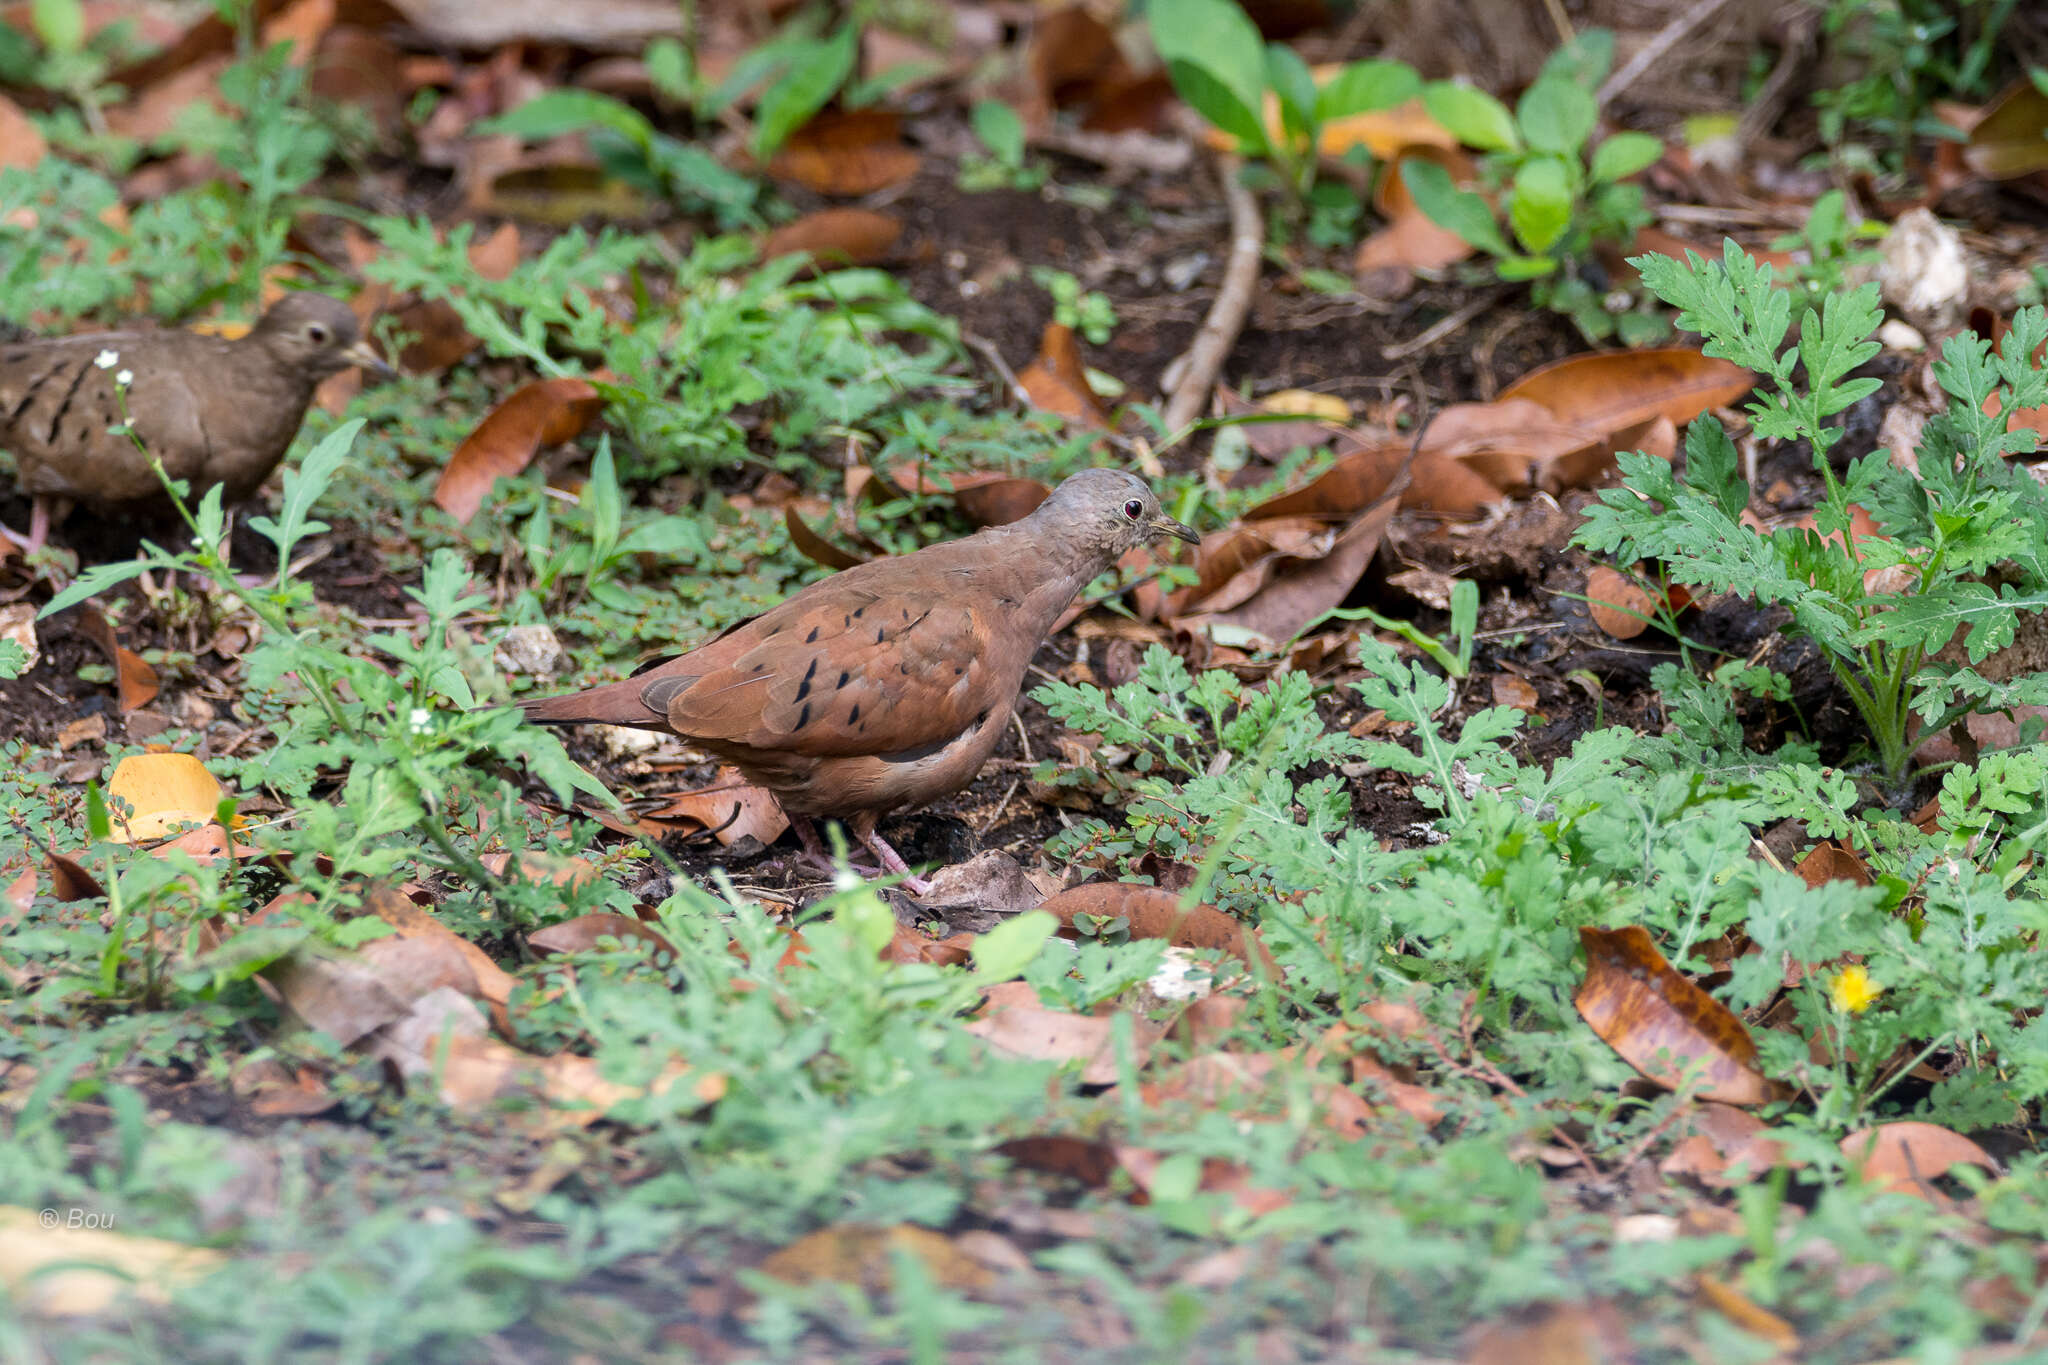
(626, 741)
(532, 651)
(1900, 336)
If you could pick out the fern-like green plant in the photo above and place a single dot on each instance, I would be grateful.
(1965, 511)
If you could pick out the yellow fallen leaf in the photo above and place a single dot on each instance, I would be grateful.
(97, 1263)
(163, 791)
(1383, 132)
(1326, 407)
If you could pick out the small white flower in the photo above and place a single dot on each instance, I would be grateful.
(125, 378)
(419, 719)
(107, 360)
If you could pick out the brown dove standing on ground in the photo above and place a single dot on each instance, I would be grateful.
(886, 685)
(214, 411)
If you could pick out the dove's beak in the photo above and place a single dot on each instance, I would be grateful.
(1167, 526)
(361, 354)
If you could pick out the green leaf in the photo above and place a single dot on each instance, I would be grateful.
(571, 111)
(1540, 207)
(1217, 62)
(1000, 130)
(1556, 115)
(13, 659)
(1456, 210)
(1584, 61)
(1004, 951)
(1295, 86)
(1362, 87)
(97, 822)
(671, 70)
(1624, 154)
(59, 23)
(1535, 268)
(1713, 465)
(99, 578)
(816, 71)
(303, 487)
(1472, 116)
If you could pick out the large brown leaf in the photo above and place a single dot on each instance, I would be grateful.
(1610, 390)
(1663, 1025)
(847, 153)
(544, 413)
(1300, 591)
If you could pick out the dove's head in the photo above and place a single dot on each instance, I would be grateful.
(1108, 511)
(315, 334)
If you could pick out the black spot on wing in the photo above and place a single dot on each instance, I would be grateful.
(65, 406)
(854, 715)
(29, 394)
(844, 675)
(812, 638)
(803, 717)
(803, 689)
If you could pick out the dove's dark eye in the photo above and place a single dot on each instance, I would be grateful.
(317, 334)
(1134, 509)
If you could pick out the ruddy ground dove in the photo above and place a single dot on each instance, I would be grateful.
(215, 411)
(889, 684)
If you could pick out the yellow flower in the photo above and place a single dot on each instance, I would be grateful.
(1852, 989)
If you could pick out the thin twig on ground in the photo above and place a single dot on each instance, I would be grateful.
(1401, 350)
(1664, 40)
(1203, 360)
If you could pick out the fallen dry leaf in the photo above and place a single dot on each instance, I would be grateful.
(134, 680)
(1617, 603)
(2011, 138)
(731, 808)
(1830, 862)
(1609, 391)
(22, 144)
(493, 983)
(1725, 1146)
(67, 1271)
(865, 1255)
(544, 413)
(1593, 1333)
(1752, 1317)
(1014, 1021)
(1056, 381)
(164, 792)
(846, 154)
(1907, 1157)
(1663, 1025)
(583, 934)
(837, 237)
